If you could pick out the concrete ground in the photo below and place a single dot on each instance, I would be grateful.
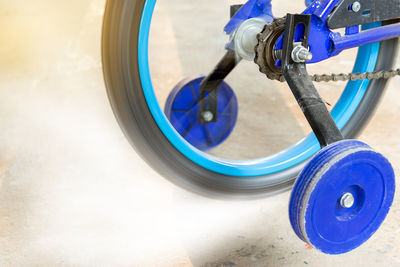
(74, 193)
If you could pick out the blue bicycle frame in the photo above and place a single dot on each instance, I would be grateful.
(323, 42)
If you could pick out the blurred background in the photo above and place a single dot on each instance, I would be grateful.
(74, 193)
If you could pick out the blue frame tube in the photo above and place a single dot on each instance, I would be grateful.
(365, 37)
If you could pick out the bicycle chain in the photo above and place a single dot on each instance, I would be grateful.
(355, 76)
(266, 58)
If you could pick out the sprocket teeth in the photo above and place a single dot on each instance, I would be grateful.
(265, 65)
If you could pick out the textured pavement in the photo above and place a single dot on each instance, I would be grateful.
(74, 193)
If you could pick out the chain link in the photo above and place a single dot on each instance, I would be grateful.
(355, 76)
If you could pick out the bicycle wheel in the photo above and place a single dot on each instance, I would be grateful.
(139, 72)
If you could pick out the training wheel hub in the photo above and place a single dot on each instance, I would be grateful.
(342, 197)
(182, 110)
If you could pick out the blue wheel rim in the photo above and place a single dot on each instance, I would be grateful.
(315, 211)
(181, 110)
(302, 151)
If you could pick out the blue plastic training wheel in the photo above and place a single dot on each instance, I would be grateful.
(342, 197)
(182, 106)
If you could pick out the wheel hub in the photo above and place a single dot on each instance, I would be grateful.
(245, 37)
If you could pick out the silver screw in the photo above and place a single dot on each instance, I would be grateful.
(356, 6)
(347, 200)
(207, 116)
(300, 54)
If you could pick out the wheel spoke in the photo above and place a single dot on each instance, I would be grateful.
(193, 90)
(179, 110)
(188, 129)
(210, 139)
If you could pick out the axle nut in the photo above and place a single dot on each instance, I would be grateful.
(356, 6)
(208, 116)
(300, 54)
(347, 201)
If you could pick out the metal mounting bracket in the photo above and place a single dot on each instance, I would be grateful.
(357, 12)
(301, 85)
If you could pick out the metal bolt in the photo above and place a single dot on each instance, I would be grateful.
(347, 200)
(207, 116)
(300, 54)
(305, 55)
(356, 6)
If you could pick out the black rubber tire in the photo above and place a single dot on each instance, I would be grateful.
(119, 51)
